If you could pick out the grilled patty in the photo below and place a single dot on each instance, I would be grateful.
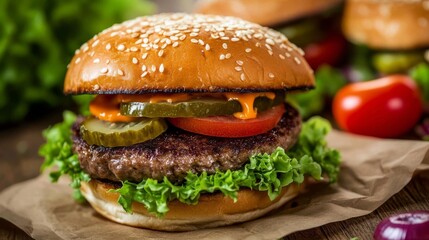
(176, 152)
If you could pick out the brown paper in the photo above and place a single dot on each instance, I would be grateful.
(372, 171)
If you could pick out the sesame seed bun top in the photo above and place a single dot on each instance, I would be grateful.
(267, 12)
(182, 53)
(387, 24)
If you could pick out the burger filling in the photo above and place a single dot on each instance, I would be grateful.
(179, 146)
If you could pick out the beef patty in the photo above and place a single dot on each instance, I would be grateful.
(176, 152)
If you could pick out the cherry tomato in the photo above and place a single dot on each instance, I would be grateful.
(328, 51)
(387, 107)
(229, 126)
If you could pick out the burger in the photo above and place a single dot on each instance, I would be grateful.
(393, 35)
(311, 24)
(188, 127)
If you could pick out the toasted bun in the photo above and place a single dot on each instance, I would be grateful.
(387, 24)
(268, 12)
(182, 52)
(212, 210)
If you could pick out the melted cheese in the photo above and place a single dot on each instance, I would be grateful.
(247, 100)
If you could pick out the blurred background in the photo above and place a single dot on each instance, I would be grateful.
(38, 39)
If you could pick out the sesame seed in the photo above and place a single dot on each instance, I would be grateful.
(174, 38)
(120, 47)
(97, 60)
(258, 44)
(161, 68)
(225, 46)
(238, 68)
(193, 34)
(271, 75)
(139, 41)
(201, 42)
(156, 41)
(143, 74)
(270, 52)
(160, 53)
(175, 44)
(85, 48)
(207, 47)
(239, 62)
(297, 60)
(146, 40)
(77, 60)
(104, 70)
(155, 46)
(248, 50)
(120, 72)
(92, 54)
(268, 47)
(288, 55)
(96, 87)
(228, 55)
(107, 61)
(222, 57)
(95, 43)
(270, 41)
(133, 49)
(193, 40)
(144, 56)
(153, 68)
(224, 38)
(183, 37)
(242, 77)
(144, 68)
(282, 57)
(135, 61)
(234, 39)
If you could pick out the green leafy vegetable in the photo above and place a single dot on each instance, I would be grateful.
(38, 39)
(328, 81)
(420, 74)
(264, 172)
(58, 151)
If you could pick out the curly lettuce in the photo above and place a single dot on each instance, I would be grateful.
(264, 172)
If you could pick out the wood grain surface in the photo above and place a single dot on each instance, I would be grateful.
(19, 161)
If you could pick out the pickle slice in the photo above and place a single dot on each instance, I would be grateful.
(193, 108)
(108, 134)
(396, 62)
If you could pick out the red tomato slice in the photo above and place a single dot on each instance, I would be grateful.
(231, 127)
(387, 107)
(328, 51)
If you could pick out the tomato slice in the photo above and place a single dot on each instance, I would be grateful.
(328, 51)
(231, 127)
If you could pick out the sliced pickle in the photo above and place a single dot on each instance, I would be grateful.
(396, 62)
(193, 108)
(109, 134)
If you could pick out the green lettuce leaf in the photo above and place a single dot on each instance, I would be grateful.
(264, 172)
(328, 81)
(57, 151)
(420, 74)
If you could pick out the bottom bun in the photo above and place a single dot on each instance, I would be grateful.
(212, 210)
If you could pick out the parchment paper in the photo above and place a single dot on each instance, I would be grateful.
(372, 171)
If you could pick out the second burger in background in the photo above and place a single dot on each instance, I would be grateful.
(390, 36)
(311, 24)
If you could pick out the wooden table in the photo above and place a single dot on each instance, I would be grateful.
(19, 161)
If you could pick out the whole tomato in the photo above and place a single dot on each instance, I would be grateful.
(386, 107)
